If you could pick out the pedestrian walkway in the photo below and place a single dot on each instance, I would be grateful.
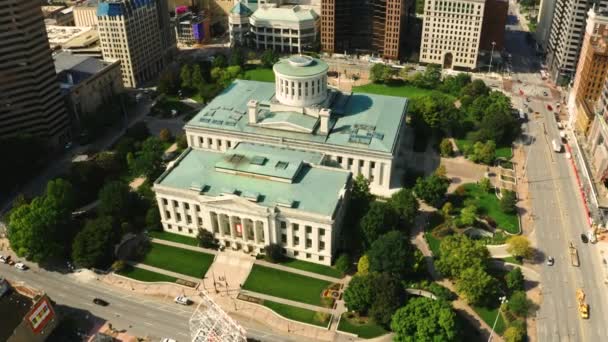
(300, 272)
(498, 251)
(163, 271)
(228, 272)
(287, 302)
(184, 246)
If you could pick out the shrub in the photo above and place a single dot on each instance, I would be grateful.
(206, 239)
(343, 263)
(485, 185)
(515, 280)
(118, 265)
(519, 304)
(508, 201)
(445, 148)
(273, 253)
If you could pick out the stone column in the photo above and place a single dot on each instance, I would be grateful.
(232, 228)
(255, 231)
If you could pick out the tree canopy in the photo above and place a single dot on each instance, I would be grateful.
(406, 205)
(436, 111)
(515, 280)
(148, 161)
(116, 201)
(359, 295)
(425, 320)
(394, 254)
(476, 285)
(381, 73)
(389, 296)
(269, 58)
(508, 201)
(379, 219)
(432, 189)
(458, 252)
(93, 245)
(519, 247)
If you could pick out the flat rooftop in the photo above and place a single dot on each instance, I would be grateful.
(361, 121)
(288, 13)
(59, 35)
(74, 69)
(13, 308)
(267, 175)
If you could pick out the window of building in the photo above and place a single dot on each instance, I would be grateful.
(308, 255)
(283, 238)
(321, 245)
(189, 231)
(321, 258)
(198, 208)
(165, 202)
(169, 226)
(187, 206)
(308, 229)
(200, 221)
(283, 225)
(178, 216)
(175, 203)
(308, 243)
(188, 219)
(179, 228)
(296, 227)
(296, 240)
(321, 232)
(296, 253)
(168, 214)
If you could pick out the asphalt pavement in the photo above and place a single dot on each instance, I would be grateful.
(558, 212)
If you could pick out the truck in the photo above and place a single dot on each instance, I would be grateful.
(573, 255)
(583, 308)
(557, 146)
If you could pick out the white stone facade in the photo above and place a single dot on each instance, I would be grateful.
(451, 32)
(239, 224)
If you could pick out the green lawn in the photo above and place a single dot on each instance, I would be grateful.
(501, 152)
(259, 74)
(512, 260)
(489, 315)
(145, 275)
(172, 102)
(186, 240)
(401, 90)
(433, 243)
(286, 285)
(311, 267)
(366, 330)
(298, 314)
(489, 204)
(183, 261)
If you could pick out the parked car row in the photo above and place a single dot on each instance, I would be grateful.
(8, 260)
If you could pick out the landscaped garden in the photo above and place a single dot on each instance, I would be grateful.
(361, 326)
(163, 235)
(145, 275)
(393, 89)
(298, 314)
(488, 205)
(489, 316)
(178, 260)
(286, 285)
(311, 267)
(260, 73)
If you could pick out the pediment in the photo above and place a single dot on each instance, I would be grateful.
(286, 126)
(235, 203)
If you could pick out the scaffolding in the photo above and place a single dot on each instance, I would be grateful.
(209, 323)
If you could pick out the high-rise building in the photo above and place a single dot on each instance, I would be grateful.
(30, 102)
(545, 18)
(591, 71)
(566, 37)
(375, 26)
(134, 31)
(85, 13)
(451, 32)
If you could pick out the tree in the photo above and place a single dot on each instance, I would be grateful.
(380, 219)
(389, 296)
(237, 57)
(446, 210)
(406, 205)
(467, 215)
(363, 265)
(43, 228)
(138, 131)
(343, 263)
(182, 141)
(206, 239)
(458, 252)
(153, 218)
(425, 320)
(165, 135)
(94, 245)
(273, 253)
(476, 285)
(519, 247)
(508, 201)
(219, 61)
(380, 73)
(392, 253)
(359, 294)
(516, 332)
(116, 201)
(483, 153)
(148, 161)
(269, 58)
(454, 84)
(445, 148)
(437, 112)
(432, 189)
(109, 163)
(519, 304)
(485, 185)
(475, 89)
(515, 280)
(185, 75)
(441, 171)
(197, 77)
(168, 82)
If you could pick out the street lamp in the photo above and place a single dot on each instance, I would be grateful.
(491, 55)
(503, 299)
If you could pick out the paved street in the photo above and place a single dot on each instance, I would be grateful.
(558, 213)
(140, 315)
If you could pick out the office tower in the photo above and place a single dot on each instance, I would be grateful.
(566, 37)
(545, 18)
(451, 32)
(85, 13)
(375, 26)
(30, 101)
(591, 71)
(130, 30)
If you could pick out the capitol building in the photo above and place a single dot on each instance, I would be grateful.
(274, 163)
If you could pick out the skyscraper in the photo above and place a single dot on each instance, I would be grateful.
(30, 100)
(370, 26)
(136, 32)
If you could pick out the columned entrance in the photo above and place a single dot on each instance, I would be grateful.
(447, 60)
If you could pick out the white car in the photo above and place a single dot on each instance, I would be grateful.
(21, 266)
(3, 259)
(183, 300)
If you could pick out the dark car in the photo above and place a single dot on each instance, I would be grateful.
(549, 107)
(100, 301)
(550, 261)
(584, 238)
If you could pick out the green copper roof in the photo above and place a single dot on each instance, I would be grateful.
(290, 119)
(199, 171)
(241, 9)
(300, 66)
(359, 121)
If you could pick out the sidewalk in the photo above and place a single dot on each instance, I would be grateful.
(165, 272)
(297, 271)
(287, 302)
(184, 246)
